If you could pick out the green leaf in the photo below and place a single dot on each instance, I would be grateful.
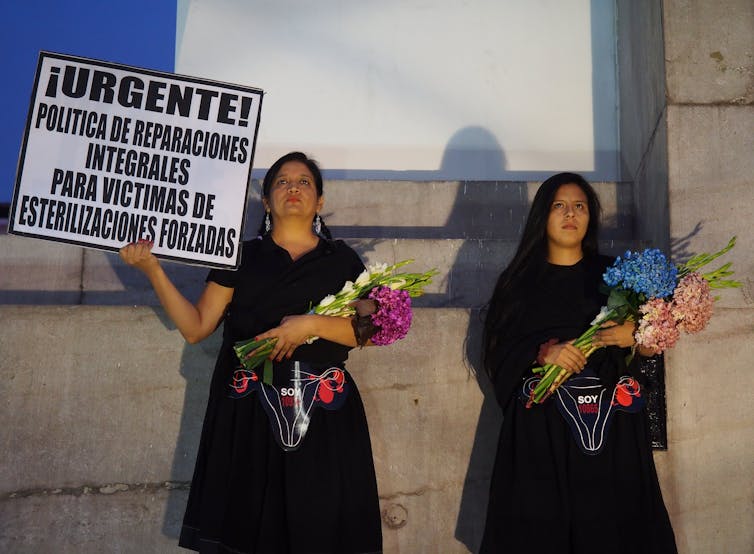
(618, 298)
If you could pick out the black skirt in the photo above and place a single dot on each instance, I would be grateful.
(249, 495)
(546, 495)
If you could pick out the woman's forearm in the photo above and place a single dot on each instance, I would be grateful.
(334, 329)
(195, 322)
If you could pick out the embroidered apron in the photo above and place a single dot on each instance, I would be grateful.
(297, 388)
(588, 406)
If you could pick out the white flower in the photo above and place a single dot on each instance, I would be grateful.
(602, 316)
(327, 300)
(398, 283)
(363, 278)
(377, 268)
(347, 288)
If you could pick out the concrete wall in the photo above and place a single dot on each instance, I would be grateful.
(641, 78)
(708, 470)
(103, 401)
(687, 136)
(102, 409)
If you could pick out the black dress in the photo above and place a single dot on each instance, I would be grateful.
(248, 494)
(547, 495)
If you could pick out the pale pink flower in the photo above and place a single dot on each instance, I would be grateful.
(692, 303)
(657, 327)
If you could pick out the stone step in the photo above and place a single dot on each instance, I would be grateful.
(468, 230)
(43, 272)
(444, 209)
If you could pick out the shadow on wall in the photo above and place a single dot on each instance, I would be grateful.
(472, 511)
(473, 231)
(492, 223)
(488, 218)
(482, 213)
(197, 365)
(485, 221)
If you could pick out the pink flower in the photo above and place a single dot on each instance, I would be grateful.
(657, 327)
(692, 303)
(393, 316)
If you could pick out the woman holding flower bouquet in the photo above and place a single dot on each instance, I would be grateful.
(284, 466)
(574, 473)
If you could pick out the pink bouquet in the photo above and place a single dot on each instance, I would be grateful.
(392, 318)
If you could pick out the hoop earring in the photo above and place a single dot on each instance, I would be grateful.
(267, 223)
(317, 224)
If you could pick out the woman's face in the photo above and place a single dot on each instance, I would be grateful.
(569, 217)
(293, 192)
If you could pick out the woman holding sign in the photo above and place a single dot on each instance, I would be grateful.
(281, 467)
(571, 475)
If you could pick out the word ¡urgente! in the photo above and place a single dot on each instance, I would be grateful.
(151, 95)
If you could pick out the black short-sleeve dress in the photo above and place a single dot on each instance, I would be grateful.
(248, 494)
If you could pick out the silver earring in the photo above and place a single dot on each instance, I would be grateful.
(317, 224)
(267, 222)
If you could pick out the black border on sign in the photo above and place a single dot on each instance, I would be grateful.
(155, 73)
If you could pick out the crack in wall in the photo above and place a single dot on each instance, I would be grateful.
(736, 101)
(650, 144)
(399, 494)
(105, 489)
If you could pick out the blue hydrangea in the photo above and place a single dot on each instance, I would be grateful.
(648, 272)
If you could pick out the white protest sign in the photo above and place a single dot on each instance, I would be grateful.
(113, 154)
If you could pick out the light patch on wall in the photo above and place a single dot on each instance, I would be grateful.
(412, 89)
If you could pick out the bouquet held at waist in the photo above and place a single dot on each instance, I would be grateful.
(379, 301)
(663, 298)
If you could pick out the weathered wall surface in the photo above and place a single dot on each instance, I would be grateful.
(643, 129)
(708, 471)
(687, 139)
(102, 409)
(103, 402)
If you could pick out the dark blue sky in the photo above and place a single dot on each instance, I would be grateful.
(136, 32)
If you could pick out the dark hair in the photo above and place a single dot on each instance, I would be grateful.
(275, 169)
(531, 257)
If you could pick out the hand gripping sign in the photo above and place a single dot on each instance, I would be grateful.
(113, 154)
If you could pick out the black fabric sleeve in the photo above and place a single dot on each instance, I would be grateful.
(354, 261)
(228, 277)
(224, 277)
(513, 359)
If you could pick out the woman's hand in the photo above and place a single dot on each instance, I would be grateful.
(566, 355)
(139, 255)
(646, 351)
(613, 334)
(290, 334)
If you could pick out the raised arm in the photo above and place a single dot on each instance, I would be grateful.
(195, 322)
